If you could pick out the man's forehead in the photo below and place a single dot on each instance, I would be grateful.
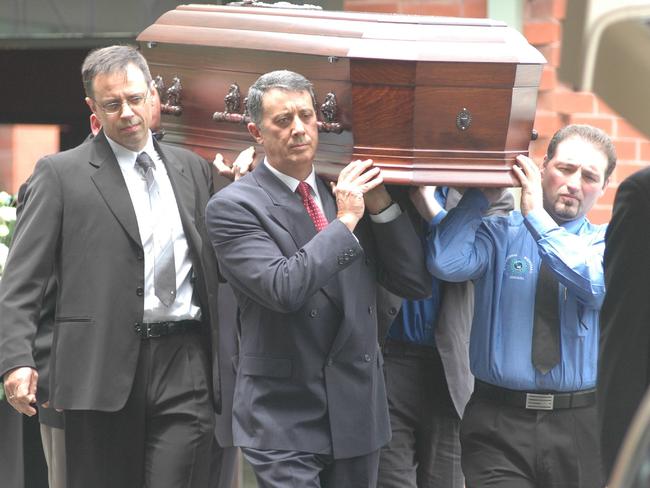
(581, 152)
(130, 74)
(288, 97)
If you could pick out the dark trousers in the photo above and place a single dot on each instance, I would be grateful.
(294, 469)
(424, 451)
(11, 446)
(511, 447)
(222, 466)
(163, 435)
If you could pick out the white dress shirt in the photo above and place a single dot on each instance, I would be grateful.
(154, 311)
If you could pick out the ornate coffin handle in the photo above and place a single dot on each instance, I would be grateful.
(330, 109)
(233, 113)
(170, 99)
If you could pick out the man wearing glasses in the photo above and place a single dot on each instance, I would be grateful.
(115, 220)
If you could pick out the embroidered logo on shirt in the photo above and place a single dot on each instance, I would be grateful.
(517, 268)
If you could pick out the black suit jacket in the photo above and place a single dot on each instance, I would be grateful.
(78, 222)
(624, 359)
(309, 376)
(43, 338)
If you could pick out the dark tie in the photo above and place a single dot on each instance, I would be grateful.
(164, 268)
(546, 324)
(314, 211)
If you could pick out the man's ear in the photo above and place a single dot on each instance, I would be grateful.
(89, 102)
(255, 132)
(153, 91)
(544, 164)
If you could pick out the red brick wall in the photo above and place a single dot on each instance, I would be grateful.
(557, 104)
(20, 147)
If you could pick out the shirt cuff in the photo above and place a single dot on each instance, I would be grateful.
(387, 215)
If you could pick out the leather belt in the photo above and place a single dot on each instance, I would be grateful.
(535, 400)
(407, 349)
(160, 329)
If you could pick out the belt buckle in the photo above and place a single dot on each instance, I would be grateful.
(539, 401)
(149, 332)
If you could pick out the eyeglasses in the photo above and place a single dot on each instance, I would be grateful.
(134, 101)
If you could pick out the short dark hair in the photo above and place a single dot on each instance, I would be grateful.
(591, 134)
(111, 59)
(282, 80)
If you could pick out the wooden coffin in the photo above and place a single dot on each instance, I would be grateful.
(432, 100)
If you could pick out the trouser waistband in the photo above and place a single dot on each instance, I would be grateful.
(535, 400)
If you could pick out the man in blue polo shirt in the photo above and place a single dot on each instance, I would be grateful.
(538, 274)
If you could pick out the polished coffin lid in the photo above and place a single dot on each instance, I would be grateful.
(432, 100)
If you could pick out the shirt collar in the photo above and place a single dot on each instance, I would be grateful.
(124, 154)
(573, 226)
(292, 182)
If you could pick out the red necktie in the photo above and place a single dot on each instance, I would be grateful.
(314, 211)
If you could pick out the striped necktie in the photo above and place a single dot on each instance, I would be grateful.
(164, 268)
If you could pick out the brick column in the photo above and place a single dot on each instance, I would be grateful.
(20, 147)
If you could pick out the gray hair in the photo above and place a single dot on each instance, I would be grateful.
(111, 59)
(591, 134)
(282, 80)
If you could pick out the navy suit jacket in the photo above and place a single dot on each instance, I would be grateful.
(309, 376)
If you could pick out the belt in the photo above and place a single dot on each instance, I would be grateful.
(160, 329)
(407, 349)
(535, 400)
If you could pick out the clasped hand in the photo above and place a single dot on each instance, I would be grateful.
(359, 185)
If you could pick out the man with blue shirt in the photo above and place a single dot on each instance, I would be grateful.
(538, 274)
(426, 366)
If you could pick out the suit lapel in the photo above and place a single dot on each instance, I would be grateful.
(287, 208)
(332, 288)
(111, 185)
(182, 184)
(289, 212)
(329, 205)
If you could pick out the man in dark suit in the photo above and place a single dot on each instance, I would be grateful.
(122, 232)
(624, 355)
(310, 404)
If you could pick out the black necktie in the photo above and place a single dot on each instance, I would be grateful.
(164, 268)
(546, 324)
